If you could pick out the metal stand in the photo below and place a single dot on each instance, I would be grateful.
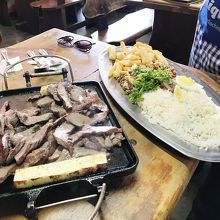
(5, 74)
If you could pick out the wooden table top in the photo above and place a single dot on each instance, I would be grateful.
(162, 173)
(53, 4)
(167, 5)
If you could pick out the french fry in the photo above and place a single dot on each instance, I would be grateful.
(159, 56)
(123, 47)
(132, 57)
(118, 69)
(112, 52)
(120, 56)
(147, 57)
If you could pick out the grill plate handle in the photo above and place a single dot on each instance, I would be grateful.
(31, 209)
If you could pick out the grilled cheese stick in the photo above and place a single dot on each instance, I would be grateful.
(57, 171)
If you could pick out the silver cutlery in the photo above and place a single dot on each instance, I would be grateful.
(53, 62)
(31, 53)
(4, 54)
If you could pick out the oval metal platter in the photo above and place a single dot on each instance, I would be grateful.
(169, 137)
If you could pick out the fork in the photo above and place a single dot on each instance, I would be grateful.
(4, 54)
(31, 53)
(44, 52)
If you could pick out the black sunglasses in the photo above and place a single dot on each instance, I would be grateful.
(82, 45)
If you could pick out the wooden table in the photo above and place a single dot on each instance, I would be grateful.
(162, 174)
(62, 15)
(173, 28)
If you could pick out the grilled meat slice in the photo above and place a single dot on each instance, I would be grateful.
(2, 124)
(77, 94)
(11, 119)
(52, 89)
(64, 97)
(6, 171)
(78, 119)
(65, 155)
(97, 103)
(4, 107)
(81, 106)
(15, 150)
(28, 112)
(32, 142)
(99, 117)
(40, 154)
(45, 101)
(62, 134)
(82, 151)
(34, 97)
(89, 130)
(55, 155)
(15, 138)
(4, 148)
(35, 119)
(57, 110)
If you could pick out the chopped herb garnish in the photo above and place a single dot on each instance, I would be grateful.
(148, 81)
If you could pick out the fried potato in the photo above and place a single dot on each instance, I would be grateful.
(129, 58)
(120, 56)
(123, 47)
(159, 56)
(112, 52)
(147, 57)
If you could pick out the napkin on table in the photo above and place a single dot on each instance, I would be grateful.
(17, 67)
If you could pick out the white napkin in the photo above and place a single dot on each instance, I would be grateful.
(43, 61)
(17, 67)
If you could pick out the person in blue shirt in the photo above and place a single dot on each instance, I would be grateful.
(205, 52)
(205, 55)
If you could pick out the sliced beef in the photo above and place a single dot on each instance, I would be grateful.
(62, 134)
(52, 142)
(78, 119)
(11, 119)
(15, 150)
(40, 154)
(98, 142)
(65, 155)
(2, 124)
(28, 112)
(89, 130)
(76, 107)
(15, 138)
(6, 171)
(4, 148)
(82, 151)
(77, 94)
(32, 142)
(57, 110)
(35, 119)
(52, 89)
(55, 155)
(64, 97)
(45, 101)
(99, 117)
(4, 107)
(97, 103)
(117, 138)
(34, 97)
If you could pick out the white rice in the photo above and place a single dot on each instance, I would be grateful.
(197, 119)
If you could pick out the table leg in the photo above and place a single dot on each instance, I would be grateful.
(173, 34)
